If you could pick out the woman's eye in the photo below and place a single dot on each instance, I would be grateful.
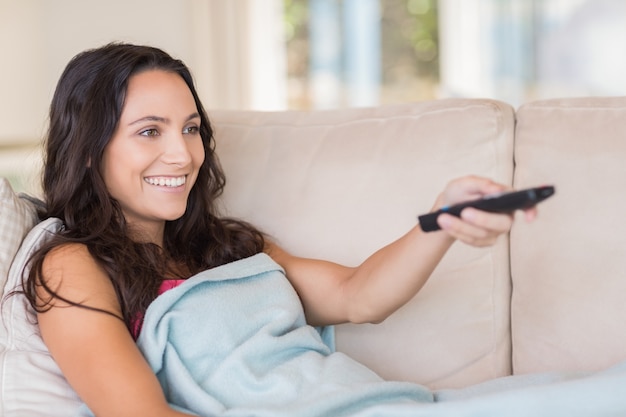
(191, 130)
(149, 132)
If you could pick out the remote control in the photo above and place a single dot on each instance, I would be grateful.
(497, 203)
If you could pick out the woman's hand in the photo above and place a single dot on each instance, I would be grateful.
(475, 227)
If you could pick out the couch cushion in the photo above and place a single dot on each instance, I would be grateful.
(569, 267)
(340, 184)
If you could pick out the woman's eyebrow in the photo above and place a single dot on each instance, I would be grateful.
(160, 119)
(193, 116)
(150, 119)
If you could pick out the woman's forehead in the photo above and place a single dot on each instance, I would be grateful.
(158, 93)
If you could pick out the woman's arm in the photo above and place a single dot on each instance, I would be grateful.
(95, 350)
(390, 277)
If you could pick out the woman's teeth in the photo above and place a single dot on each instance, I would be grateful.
(166, 181)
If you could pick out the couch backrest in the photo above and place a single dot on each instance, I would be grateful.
(340, 184)
(569, 269)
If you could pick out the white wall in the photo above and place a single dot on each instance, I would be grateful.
(233, 47)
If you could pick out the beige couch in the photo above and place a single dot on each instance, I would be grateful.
(551, 297)
(339, 184)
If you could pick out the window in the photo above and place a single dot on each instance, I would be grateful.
(368, 52)
(522, 50)
(343, 53)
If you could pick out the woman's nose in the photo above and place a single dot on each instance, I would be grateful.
(176, 150)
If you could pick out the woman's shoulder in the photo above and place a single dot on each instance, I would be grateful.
(68, 256)
(74, 274)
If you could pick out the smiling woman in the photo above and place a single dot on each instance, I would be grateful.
(131, 172)
(152, 161)
(132, 176)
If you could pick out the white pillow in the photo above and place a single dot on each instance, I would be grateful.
(17, 216)
(31, 384)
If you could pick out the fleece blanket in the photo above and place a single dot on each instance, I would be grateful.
(233, 341)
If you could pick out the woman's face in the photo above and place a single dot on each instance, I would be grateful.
(153, 158)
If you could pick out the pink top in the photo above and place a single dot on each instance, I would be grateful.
(167, 284)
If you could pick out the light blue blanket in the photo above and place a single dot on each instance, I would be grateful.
(232, 341)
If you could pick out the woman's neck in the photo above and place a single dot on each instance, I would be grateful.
(145, 234)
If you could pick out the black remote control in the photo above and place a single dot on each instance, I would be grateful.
(497, 203)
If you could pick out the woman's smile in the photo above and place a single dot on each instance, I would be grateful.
(169, 182)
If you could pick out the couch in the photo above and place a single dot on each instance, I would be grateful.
(338, 184)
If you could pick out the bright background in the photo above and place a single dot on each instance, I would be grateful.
(314, 54)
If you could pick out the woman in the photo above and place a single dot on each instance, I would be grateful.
(131, 171)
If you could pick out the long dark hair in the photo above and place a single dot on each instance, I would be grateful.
(85, 110)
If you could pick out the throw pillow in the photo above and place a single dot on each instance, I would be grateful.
(31, 383)
(17, 216)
